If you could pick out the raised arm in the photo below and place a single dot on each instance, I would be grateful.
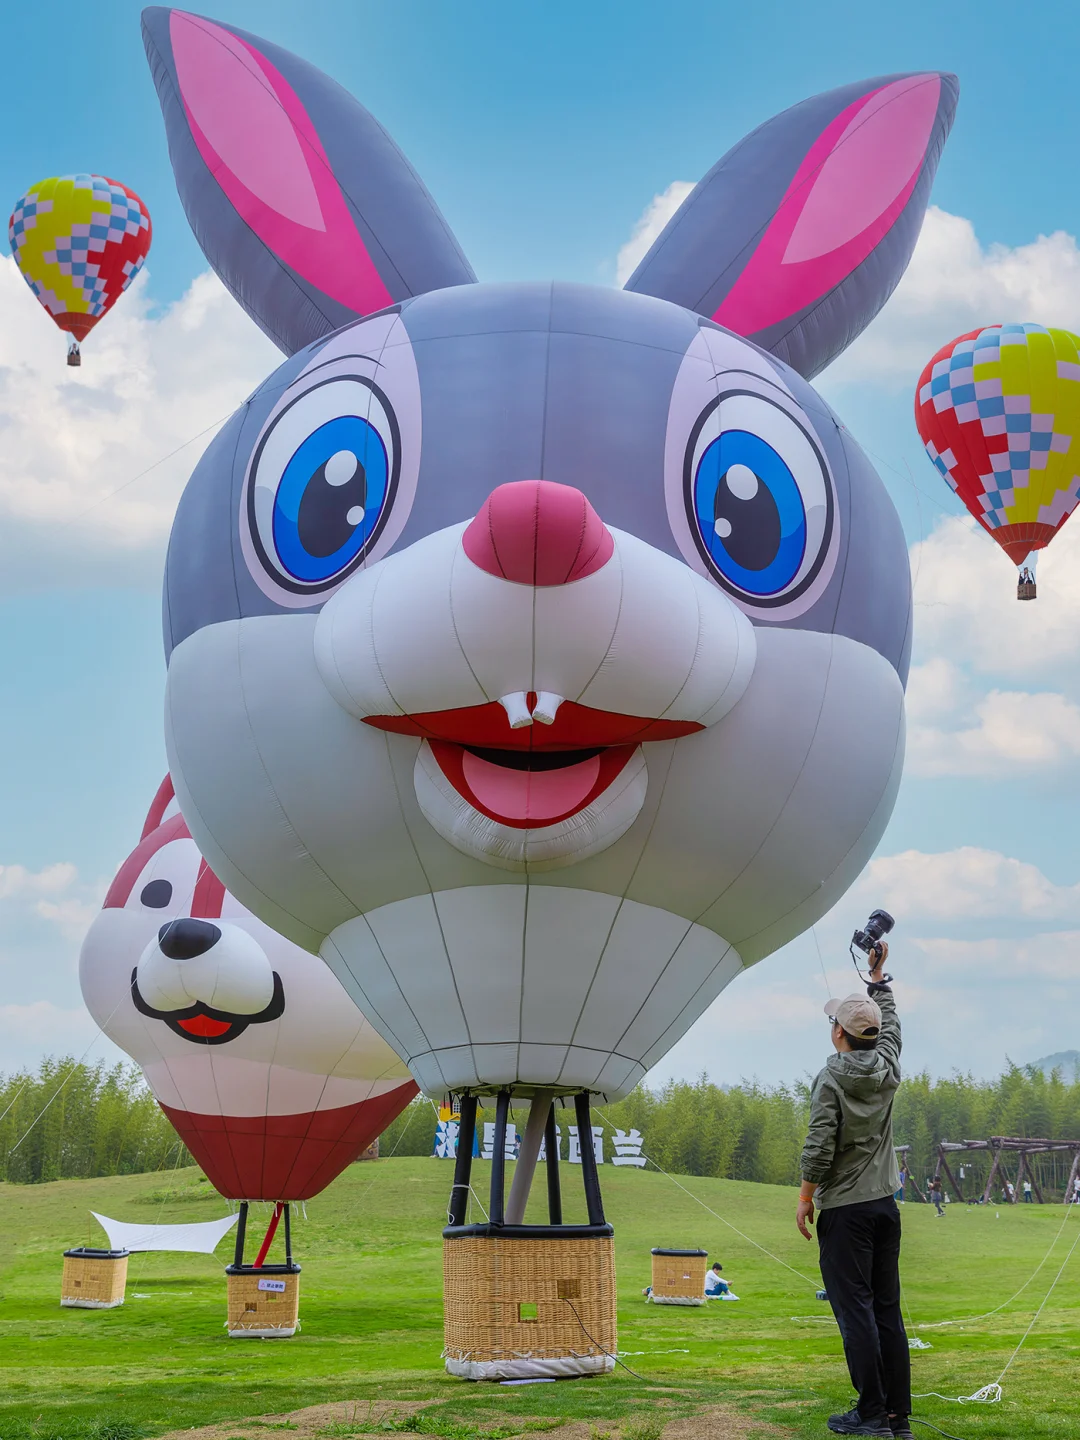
(890, 1041)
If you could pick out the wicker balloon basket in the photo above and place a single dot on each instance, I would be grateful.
(93, 1279)
(264, 1302)
(678, 1277)
(535, 1303)
(527, 1302)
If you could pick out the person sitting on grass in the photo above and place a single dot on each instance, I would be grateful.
(717, 1288)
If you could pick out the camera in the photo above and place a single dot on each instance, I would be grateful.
(879, 924)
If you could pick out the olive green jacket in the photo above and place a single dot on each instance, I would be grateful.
(849, 1143)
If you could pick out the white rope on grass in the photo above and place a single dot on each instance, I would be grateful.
(991, 1394)
(971, 1319)
(715, 1216)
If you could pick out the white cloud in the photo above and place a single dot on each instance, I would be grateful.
(55, 894)
(653, 218)
(71, 440)
(1053, 957)
(948, 734)
(966, 606)
(967, 883)
(954, 284)
(28, 1032)
(17, 882)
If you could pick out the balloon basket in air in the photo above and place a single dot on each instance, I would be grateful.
(93, 1279)
(264, 1301)
(1026, 590)
(678, 1277)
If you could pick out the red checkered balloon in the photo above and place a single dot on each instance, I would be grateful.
(998, 410)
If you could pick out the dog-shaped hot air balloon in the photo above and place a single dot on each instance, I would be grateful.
(537, 650)
(266, 1069)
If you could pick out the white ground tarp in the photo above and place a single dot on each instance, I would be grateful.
(202, 1237)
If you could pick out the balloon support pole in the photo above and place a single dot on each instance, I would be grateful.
(527, 1301)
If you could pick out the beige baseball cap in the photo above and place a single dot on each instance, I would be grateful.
(858, 1014)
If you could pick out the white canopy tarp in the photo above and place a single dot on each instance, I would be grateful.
(202, 1237)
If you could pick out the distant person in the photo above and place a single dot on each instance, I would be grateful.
(899, 1196)
(1009, 1195)
(1076, 1191)
(1029, 1198)
(716, 1287)
(849, 1168)
(937, 1196)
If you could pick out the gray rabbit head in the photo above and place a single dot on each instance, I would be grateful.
(536, 651)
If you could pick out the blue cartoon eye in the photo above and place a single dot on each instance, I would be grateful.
(759, 499)
(322, 484)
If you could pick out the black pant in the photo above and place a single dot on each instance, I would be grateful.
(860, 1265)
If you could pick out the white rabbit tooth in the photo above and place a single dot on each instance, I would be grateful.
(517, 709)
(546, 707)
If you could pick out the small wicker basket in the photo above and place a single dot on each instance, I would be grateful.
(264, 1303)
(531, 1302)
(678, 1277)
(93, 1279)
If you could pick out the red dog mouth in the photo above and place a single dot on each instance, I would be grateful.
(537, 775)
(202, 1023)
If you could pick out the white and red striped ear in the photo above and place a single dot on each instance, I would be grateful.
(163, 807)
(299, 199)
(798, 236)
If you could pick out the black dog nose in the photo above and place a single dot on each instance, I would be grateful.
(185, 938)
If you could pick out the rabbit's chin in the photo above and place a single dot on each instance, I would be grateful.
(603, 818)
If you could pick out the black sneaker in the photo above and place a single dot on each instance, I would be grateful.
(900, 1428)
(852, 1423)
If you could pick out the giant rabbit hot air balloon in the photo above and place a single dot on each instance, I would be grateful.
(537, 650)
(266, 1069)
(79, 241)
(998, 410)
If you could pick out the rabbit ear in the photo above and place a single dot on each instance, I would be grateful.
(300, 200)
(798, 236)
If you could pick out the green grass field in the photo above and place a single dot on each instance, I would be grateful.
(371, 1314)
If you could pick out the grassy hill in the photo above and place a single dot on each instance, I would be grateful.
(371, 1312)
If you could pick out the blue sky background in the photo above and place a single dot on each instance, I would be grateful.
(544, 132)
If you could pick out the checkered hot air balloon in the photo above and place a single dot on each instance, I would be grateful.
(79, 241)
(999, 413)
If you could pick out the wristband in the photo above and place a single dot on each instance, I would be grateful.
(803, 1195)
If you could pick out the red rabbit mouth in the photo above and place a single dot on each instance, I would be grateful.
(526, 789)
(537, 775)
(575, 727)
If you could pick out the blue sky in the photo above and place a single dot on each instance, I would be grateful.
(545, 132)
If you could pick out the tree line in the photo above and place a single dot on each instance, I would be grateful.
(71, 1119)
(755, 1132)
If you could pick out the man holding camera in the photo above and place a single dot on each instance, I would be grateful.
(849, 1171)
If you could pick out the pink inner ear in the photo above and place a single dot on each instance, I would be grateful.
(871, 164)
(240, 117)
(849, 190)
(259, 143)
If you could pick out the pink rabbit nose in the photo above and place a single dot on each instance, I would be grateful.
(538, 533)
